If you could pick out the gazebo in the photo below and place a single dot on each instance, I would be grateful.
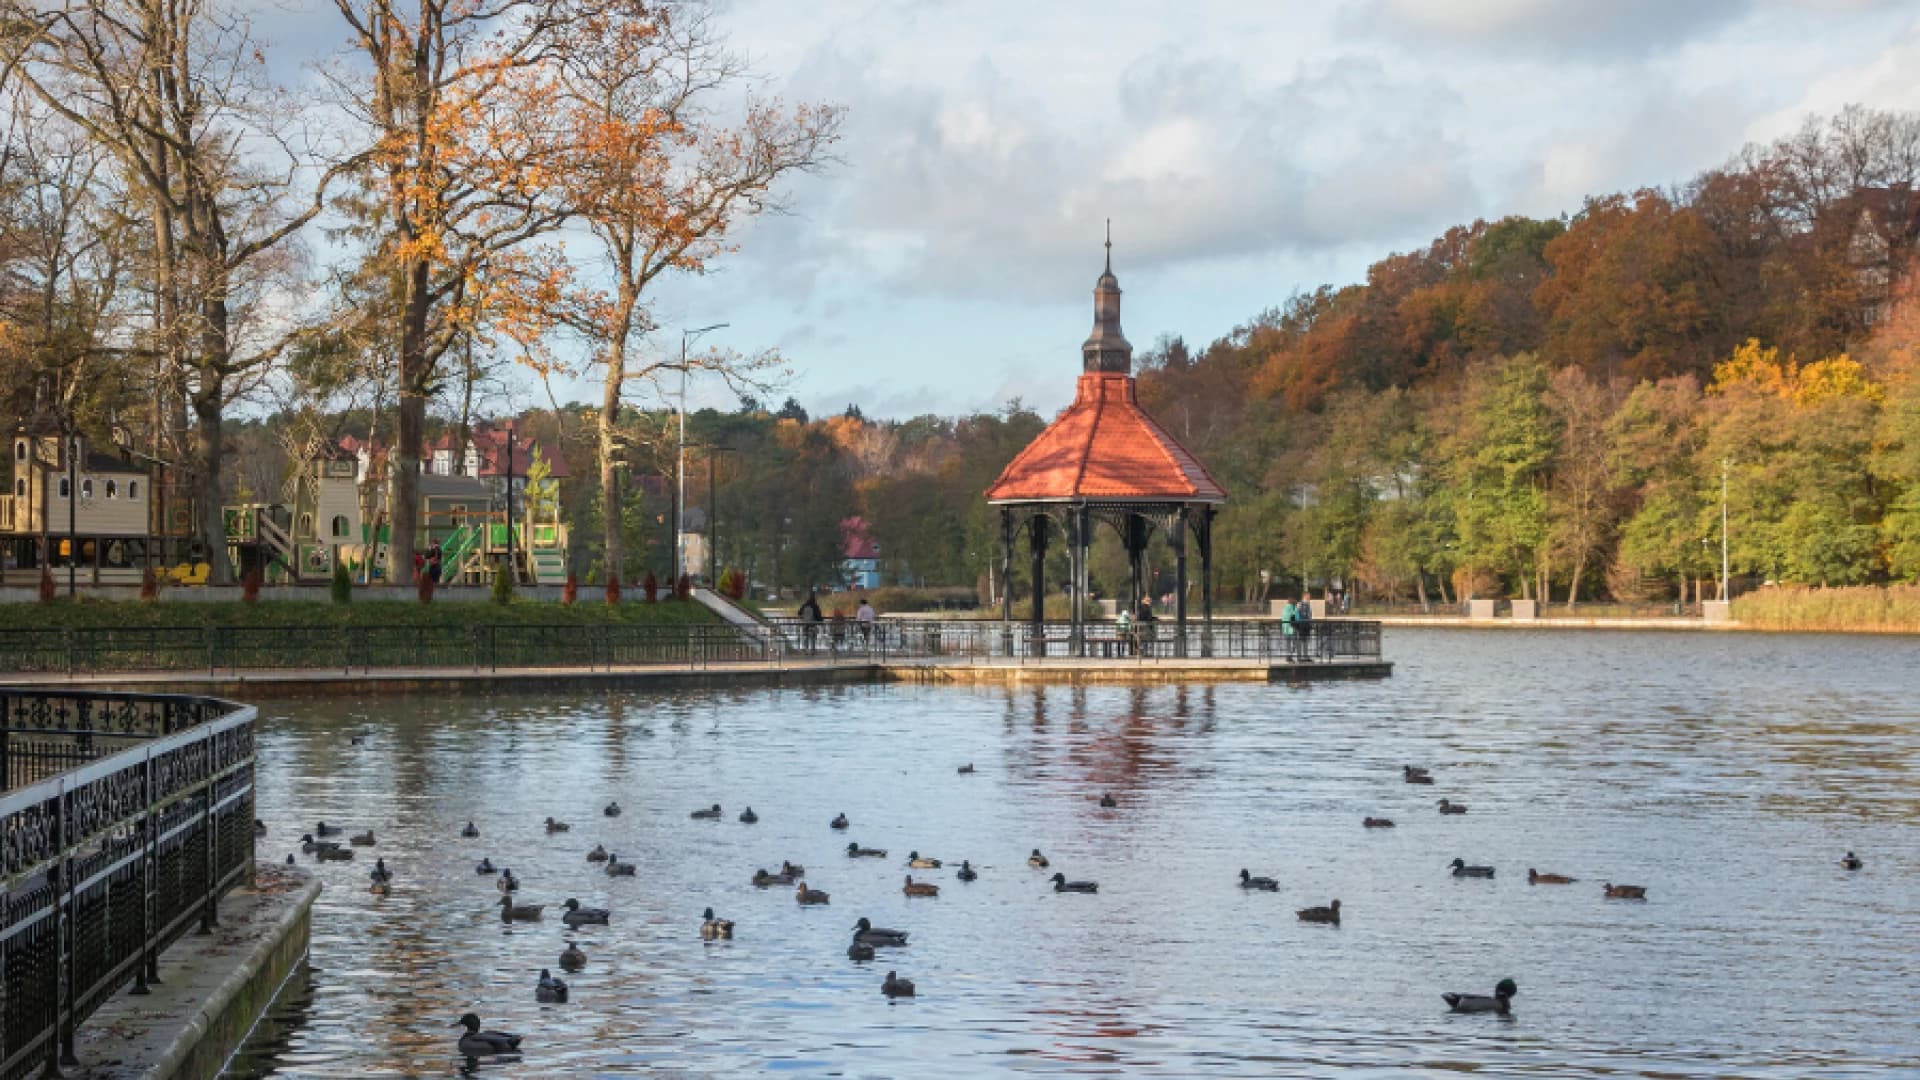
(1106, 460)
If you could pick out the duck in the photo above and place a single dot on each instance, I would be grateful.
(612, 809)
(598, 854)
(1327, 914)
(1266, 884)
(859, 950)
(1037, 860)
(259, 827)
(878, 936)
(358, 740)
(308, 845)
(896, 987)
(571, 958)
(485, 866)
(762, 879)
(967, 872)
(290, 861)
(967, 769)
(1535, 877)
(550, 990)
(711, 813)
(809, 896)
(839, 822)
(1377, 823)
(324, 829)
(512, 912)
(1501, 1002)
(920, 888)
(792, 869)
(334, 854)
(748, 817)
(1108, 802)
(855, 851)
(1452, 807)
(1414, 774)
(557, 826)
(616, 868)
(507, 883)
(715, 929)
(1625, 892)
(364, 839)
(1461, 869)
(1061, 884)
(380, 871)
(475, 1042)
(471, 832)
(916, 862)
(1852, 861)
(583, 916)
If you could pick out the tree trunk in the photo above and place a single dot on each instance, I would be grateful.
(403, 460)
(209, 518)
(1445, 597)
(611, 497)
(1573, 583)
(1420, 589)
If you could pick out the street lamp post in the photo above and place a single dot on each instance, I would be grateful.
(680, 460)
(510, 441)
(1723, 530)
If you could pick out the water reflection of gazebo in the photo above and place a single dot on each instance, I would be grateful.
(1106, 460)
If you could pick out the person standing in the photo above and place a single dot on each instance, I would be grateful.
(810, 620)
(1143, 623)
(1123, 629)
(1303, 617)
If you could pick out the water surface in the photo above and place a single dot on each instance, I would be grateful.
(1727, 773)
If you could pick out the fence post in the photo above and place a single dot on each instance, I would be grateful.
(62, 871)
(66, 637)
(209, 828)
(147, 971)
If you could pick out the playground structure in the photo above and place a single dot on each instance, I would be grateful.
(325, 520)
(100, 518)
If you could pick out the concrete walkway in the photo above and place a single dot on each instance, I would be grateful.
(213, 988)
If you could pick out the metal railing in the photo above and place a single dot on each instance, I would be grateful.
(991, 640)
(90, 650)
(108, 862)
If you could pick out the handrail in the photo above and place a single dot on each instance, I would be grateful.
(994, 640)
(112, 859)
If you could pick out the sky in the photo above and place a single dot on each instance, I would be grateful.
(1244, 151)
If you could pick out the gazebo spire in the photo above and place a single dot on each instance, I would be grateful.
(1106, 350)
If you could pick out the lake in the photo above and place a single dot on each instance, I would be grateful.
(1726, 773)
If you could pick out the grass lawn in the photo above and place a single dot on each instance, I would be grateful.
(363, 611)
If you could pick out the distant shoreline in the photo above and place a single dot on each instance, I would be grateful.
(1678, 623)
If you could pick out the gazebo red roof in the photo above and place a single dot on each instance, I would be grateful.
(1106, 447)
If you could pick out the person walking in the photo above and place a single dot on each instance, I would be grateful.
(1289, 628)
(1143, 625)
(810, 620)
(864, 618)
(1303, 618)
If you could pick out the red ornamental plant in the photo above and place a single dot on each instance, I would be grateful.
(570, 591)
(149, 586)
(652, 587)
(683, 587)
(423, 587)
(613, 589)
(250, 587)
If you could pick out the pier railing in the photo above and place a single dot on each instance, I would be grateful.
(124, 820)
(991, 640)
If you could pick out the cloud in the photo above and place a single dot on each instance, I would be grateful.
(1534, 29)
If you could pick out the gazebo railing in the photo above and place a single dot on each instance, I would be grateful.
(993, 640)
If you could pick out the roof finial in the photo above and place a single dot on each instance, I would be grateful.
(1109, 245)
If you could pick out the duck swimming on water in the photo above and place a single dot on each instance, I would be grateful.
(571, 958)
(810, 896)
(598, 854)
(1625, 892)
(879, 936)
(1061, 884)
(471, 832)
(1037, 860)
(616, 868)
(1265, 884)
(475, 1042)
(612, 809)
(1108, 802)
(1461, 869)
(967, 872)
(714, 929)
(855, 851)
(711, 813)
(485, 866)
(512, 912)
(1452, 807)
(549, 989)
(916, 862)
(1852, 861)
(748, 817)
(920, 888)
(1327, 914)
(557, 826)
(1535, 877)
(583, 916)
(896, 987)
(839, 821)
(324, 829)
(1501, 1002)
(1377, 823)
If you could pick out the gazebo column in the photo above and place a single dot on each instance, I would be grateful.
(1180, 582)
(1006, 581)
(1037, 544)
(1081, 536)
(1206, 580)
(1134, 537)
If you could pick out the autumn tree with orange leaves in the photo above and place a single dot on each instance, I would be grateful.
(661, 183)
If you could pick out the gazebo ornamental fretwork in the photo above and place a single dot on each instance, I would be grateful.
(1106, 460)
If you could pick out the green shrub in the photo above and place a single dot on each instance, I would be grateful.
(502, 585)
(342, 586)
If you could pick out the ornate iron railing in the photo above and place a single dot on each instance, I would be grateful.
(365, 648)
(975, 639)
(107, 863)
